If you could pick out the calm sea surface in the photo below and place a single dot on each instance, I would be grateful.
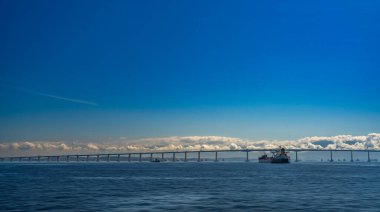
(190, 186)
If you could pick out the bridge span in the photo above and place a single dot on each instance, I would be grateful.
(173, 155)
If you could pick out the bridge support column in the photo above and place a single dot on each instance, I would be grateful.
(216, 156)
(331, 157)
(97, 158)
(57, 158)
(151, 156)
(199, 156)
(369, 159)
(140, 157)
(352, 158)
(162, 156)
(118, 158)
(77, 158)
(173, 156)
(247, 156)
(39, 158)
(129, 157)
(296, 156)
(108, 158)
(87, 158)
(67, 158)
(185, 156)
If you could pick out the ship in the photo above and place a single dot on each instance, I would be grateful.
(156, 160)
(279, 156)
(265, 159)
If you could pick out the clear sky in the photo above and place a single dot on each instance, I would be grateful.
(94, 70)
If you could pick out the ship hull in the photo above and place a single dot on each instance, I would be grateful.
(265, 160)
(280, 160)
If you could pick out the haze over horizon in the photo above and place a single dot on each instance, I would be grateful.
(91, 72)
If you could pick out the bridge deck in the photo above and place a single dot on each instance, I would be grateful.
(173, 153)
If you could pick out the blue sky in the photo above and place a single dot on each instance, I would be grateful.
(94, 70)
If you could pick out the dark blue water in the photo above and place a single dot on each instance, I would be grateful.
(190, 186)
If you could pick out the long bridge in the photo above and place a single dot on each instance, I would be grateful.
(173, 155)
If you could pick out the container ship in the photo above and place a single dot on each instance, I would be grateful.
(279, 156)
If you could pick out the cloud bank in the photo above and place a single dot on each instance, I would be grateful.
(177, 143)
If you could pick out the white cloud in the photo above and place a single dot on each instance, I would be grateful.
(177, 143)
(92, 146)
